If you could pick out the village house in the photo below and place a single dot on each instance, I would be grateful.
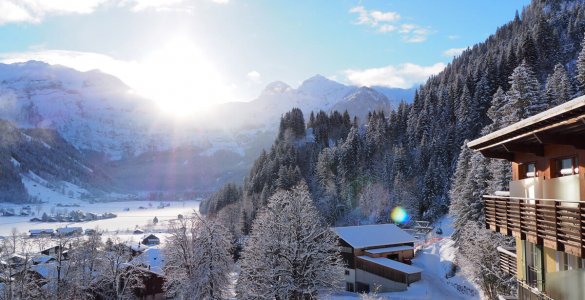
(69, 231)
(151, 240)
(544, 209)
(40, 232)
(377, 256)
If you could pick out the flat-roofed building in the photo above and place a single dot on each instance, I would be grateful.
(377, 256)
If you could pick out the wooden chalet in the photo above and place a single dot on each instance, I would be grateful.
(544, 209)
(377, 256)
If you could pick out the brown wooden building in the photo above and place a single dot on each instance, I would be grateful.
(377, 256)
(544, 208)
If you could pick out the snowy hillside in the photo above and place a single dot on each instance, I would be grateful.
(42, 155)
(106, 121)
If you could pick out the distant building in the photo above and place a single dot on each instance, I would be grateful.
(377, 256)
(68, 231)
(40, 232)
(42, 259)
(138, 231)
(151, 240)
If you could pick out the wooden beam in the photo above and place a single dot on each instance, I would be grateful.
(561, 139)
(537, 150)
(502, 155)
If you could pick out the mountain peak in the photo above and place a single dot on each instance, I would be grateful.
(365, 92)
(320, 86)
(276, 87)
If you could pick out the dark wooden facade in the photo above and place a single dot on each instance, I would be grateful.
(389, 273)
(508, 262)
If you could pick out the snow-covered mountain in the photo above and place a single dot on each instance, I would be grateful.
(362, 101)
(43, 157)
(314, 94)
(106, 121)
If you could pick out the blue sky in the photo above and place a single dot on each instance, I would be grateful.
(230, 49)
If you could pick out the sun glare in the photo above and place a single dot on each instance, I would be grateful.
(181, 80)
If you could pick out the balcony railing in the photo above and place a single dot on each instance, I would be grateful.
(507, 260)
(556, 224)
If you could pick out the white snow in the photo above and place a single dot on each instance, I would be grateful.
(152, 258)
(15, 162)
(126, 221)
(373, 235)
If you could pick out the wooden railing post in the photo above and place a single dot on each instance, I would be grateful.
(557, 224)
(581, 230)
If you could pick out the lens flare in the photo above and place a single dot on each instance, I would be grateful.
(399, 215)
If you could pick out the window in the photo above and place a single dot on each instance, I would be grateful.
(346, 272)
(527, 170)
(534, 265)
(565, 166)
(349, 287)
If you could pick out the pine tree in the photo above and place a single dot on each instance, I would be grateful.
(524, 95)
(581, 68)
(558, 88)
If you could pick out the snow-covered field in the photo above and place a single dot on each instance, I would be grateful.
(436, 258)
(126, 220)
(129, 214)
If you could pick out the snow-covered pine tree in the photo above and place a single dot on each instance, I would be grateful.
(558, 88)
(290, 253)
(581, 68)
(198, 261)
(524, 95)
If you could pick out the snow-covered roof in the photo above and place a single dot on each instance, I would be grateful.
(389, 249)
(39, 231)
(48, 270)
(150, 236)
(69, 229)
(392, 264)
(153, 258)
(543, 121)
(41, 259)
(373, 235)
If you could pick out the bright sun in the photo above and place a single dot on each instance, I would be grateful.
(181, 79)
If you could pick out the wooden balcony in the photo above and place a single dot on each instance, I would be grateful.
(507, 260)
(556, 224)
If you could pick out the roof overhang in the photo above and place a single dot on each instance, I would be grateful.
(561, 125)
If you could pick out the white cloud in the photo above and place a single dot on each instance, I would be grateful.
(374, 18)
(253, 76)
(34, 11)
(413, 33)
(453, 37)
(453, 52)
(401, 76)
(387, 28)
(385, 22)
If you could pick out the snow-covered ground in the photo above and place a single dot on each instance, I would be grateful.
(129, 213)
(125, 220)
(435, 257)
